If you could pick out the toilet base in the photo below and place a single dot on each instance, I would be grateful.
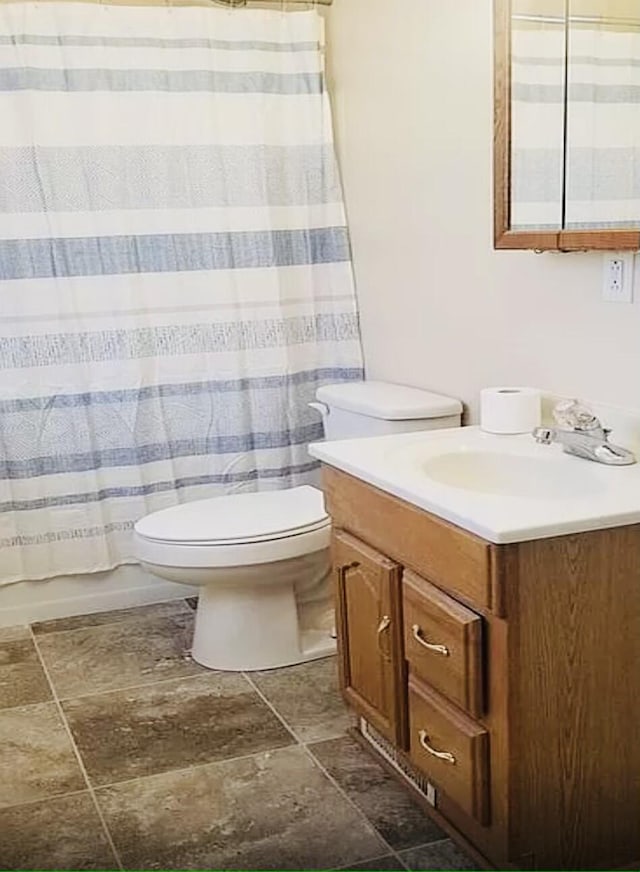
(278, 616)
(308, 652)
(254, 628)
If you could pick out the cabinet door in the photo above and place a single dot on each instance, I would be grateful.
(369, 635)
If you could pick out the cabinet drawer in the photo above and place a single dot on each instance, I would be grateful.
(451, 749)
(455, 560)
(443, 643)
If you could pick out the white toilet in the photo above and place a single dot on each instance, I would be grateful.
(262, 560)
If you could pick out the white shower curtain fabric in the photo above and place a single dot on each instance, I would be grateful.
(175, 271)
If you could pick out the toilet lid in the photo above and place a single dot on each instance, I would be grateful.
(238, 518)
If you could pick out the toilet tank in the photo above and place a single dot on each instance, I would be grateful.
(373, 408)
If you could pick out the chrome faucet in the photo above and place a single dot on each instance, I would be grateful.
(581, 433)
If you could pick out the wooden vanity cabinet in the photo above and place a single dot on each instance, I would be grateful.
(505, 678)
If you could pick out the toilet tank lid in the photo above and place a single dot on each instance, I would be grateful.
(389, 402)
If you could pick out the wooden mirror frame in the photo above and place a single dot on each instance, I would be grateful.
(542, 240)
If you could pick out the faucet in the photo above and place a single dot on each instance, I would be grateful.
(582, 434)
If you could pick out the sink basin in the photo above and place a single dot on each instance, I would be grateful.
(502, 488)
(509, 475)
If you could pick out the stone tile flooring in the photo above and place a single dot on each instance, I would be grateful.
(117, 751)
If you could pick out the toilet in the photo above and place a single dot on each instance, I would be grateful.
(261, 560)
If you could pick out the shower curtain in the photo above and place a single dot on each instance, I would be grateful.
(175, 272)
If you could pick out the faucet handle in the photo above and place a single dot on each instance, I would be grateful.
(572, 414)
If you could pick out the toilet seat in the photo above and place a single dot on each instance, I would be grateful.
(236, 530)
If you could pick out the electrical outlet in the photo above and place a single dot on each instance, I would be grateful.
(617, 279)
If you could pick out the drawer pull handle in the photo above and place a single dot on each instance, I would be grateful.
(441, 755)
(436, 649)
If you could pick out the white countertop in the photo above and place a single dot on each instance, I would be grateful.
(502, 488)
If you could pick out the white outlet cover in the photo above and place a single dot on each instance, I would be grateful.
(612, 290)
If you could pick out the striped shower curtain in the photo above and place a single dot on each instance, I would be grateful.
(175, 279)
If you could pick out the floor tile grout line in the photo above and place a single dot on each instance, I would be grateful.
(431, 844)
(270, 705)
(319, 765)
(204, 674)
(221, 761)
(129, 687)
(48, 798)
(78, 756)
(350, 866)
(357, 808)
(28, 705)
(396, 854)
(186, 611)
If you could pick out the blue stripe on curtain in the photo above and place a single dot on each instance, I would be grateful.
(174, 81)
(71, 40)
(131, 421)
(224, 479)
(176, 252)
(65, 348)
(72, 534)
(152, 453)
(94, 178)
(190, 389)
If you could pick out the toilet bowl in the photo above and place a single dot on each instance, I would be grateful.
(262, 563)
(261, 560)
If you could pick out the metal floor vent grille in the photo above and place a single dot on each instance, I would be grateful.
(386, 749)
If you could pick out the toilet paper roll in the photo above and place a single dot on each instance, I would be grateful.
(509, 410)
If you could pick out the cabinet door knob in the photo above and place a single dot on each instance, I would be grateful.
(441, 755)
(435, 649)
(383, 626)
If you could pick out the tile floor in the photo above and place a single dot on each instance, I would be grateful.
(117, 751)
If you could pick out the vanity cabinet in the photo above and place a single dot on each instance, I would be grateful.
(504, 679)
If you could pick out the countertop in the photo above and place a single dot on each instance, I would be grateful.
(502, 488)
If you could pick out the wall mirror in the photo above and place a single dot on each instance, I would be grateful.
(567, 124)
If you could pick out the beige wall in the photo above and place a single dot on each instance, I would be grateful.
(412, 92)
